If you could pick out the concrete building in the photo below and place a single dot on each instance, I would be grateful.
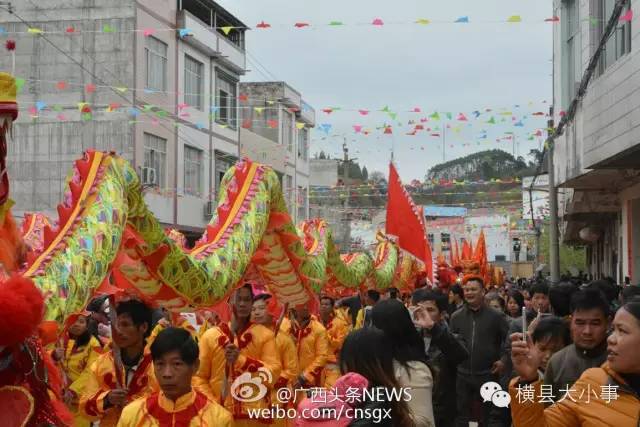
(160, 78)
(324, 172)
(275, 130)
(597, 159)
(445, 224)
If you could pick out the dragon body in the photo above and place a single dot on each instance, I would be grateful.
(105, 235)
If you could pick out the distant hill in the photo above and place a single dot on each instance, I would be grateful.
(484, 165)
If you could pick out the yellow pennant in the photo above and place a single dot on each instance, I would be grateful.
(259, 110)
(422, 21)
(514, 18)
(226, 30)
(300, 125)
(34, 31)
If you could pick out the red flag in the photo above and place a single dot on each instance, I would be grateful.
(467, 251)
(404, 222)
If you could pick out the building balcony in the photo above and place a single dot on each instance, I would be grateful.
(212, 43)
(307, 114)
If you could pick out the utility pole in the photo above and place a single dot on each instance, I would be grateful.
(554, 247)
(346, 162)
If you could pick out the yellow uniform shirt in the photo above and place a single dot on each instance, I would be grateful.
(141, 382)
(191, 410)
(258, 351)
(76, 364)
(337, 331)
(313, 349)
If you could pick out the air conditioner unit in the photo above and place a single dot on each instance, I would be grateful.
(210, 208)
(149, 176)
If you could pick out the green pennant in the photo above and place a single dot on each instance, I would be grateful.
(393, 116)
(107, 29)
(449, 115)
(19, 84)
(335, 23)
(435, 116)
(162, 113)
(492, 121)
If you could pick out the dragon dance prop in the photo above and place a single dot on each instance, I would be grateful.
(106, 235)
(470, 262)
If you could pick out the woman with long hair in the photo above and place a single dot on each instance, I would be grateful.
(621, 373)
(368, 352)
(80, 349)
(515, 302)
(409, 357)
(366, 363)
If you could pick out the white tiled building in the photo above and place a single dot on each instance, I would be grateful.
(597, 159)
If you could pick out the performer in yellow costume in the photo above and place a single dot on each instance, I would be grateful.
(239, 348)
(169, 320)
(337, 327)
(371, 298)
(286, 352)
(110, 387)
(313, 348)
(175, 361)
(77, 355)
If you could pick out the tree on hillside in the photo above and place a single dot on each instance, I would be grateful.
(322, 156)
(569, 256)
(365, 173)
(485, 165)
(377, 177)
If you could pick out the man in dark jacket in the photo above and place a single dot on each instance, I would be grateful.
(590, 315)
(484, 332)
(444, 351)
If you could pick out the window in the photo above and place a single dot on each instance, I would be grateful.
(223, 163)
(226, 95)
(303, 144)
(155, 160)
(572, 63)
(156, 57)
(287, 130)
(192, 171)
(430, 238)
(445, 239)
(193, 78)
(619, 44)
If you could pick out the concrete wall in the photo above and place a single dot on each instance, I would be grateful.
(323, 172)
(608, 119)
(262, 150)
(42, 150)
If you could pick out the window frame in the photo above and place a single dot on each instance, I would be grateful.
(157, 158)
(230, 111)
(151, 53)
(199, 94)
(188, 164)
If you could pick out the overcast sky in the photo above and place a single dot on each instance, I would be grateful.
(438, 67)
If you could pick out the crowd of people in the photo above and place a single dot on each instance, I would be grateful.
(555, 349)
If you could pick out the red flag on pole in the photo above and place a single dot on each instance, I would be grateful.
(404, 222)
